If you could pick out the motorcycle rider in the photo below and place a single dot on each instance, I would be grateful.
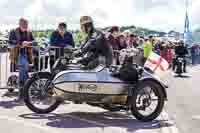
(180, 51)
(95, 49)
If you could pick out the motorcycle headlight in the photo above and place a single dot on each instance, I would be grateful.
(180, 59)
(63, 61)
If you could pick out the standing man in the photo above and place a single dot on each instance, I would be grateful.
(21, 54)
(60, 38)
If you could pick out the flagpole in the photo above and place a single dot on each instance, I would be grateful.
(187, 38)
(186, 6)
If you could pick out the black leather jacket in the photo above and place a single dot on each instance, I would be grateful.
(181, 51)
(96, 46)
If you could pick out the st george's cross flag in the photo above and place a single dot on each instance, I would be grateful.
(156, 63)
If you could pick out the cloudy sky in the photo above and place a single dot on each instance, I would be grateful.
(155, 14)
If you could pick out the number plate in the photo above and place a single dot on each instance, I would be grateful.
(87, 88)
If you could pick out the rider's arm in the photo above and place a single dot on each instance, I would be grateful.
(90, 44)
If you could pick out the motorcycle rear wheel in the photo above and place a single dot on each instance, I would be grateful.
(27, 98)
(136, 111)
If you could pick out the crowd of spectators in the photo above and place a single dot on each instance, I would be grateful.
(165, 48)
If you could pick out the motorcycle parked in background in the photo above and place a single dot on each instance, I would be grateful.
(178, 65)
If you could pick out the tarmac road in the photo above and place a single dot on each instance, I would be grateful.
(184, 97)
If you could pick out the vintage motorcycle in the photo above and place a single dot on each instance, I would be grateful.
(144, 96)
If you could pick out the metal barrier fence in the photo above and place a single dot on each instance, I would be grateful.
(43, 60)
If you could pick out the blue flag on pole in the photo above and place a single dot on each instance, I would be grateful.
(187, 31)
(187, 23)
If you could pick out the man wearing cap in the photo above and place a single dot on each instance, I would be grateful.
(20, 54)
(61, 38)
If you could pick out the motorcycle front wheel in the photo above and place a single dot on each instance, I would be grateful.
(37, 98)
(147, 101)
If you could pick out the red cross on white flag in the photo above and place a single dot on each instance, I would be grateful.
(156, 63)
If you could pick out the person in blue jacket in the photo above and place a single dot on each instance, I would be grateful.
(60, 38)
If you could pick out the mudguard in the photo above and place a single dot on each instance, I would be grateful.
(149, 77)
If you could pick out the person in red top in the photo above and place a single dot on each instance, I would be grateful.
(113, 41)
(113, 38)
(122, 42)
(132, 41)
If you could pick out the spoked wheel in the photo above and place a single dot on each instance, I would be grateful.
(37, 98)
(147, 101)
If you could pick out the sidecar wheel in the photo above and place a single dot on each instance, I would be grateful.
(146, 98)
(28, 99)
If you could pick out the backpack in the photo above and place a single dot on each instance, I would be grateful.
(128, 72)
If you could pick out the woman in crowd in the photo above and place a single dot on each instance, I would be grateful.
(132, 41)
(122, 42)
(156, 46)
(113, 41)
